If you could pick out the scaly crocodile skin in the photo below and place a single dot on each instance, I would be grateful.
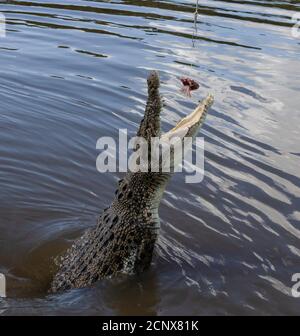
(126, 232)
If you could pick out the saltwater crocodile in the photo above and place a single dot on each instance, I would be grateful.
(124, 238)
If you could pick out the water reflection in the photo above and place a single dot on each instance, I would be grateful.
(75, 70)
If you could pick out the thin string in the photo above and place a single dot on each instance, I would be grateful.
(194, 38)
(196, 13)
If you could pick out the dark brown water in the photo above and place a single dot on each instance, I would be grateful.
(73, 71)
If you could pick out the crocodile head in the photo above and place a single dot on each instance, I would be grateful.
(162, 153)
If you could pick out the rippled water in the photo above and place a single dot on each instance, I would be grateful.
(72, 71)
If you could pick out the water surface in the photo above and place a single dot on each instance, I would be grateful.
(73, 71)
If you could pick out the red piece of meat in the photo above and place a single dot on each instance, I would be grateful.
(193, 85)
(188, 85)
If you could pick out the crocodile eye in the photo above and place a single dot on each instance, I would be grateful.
(125, 187)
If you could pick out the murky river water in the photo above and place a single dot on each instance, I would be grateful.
(73, 71)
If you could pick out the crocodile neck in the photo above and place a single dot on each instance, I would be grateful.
(138, 197)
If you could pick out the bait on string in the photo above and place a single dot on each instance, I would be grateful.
(189, 84)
